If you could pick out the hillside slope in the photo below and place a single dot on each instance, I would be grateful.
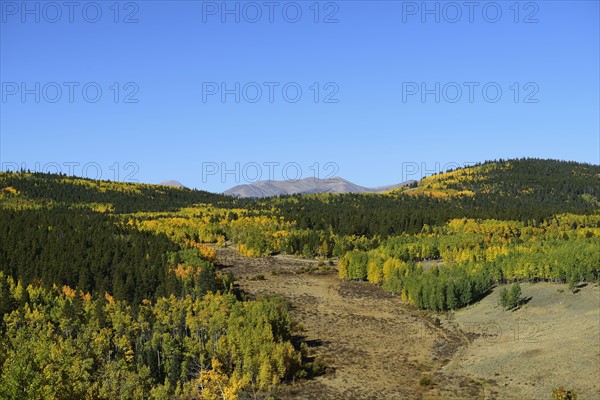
(118, 196)
(528, 190)
(519, 177)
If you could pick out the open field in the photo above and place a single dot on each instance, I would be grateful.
(374, 346)
(553, 340)
(377, 347)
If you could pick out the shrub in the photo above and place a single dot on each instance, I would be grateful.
(562, 394)
(425, 382)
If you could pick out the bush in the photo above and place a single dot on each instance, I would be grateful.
(425, 382)
(562, 394)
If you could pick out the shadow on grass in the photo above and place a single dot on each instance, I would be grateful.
(577, 288)
(524, 300)
(312, 365)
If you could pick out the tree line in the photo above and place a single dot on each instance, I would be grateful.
(452, 266)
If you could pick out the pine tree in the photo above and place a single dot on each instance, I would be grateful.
(515, 295)
(504, 298)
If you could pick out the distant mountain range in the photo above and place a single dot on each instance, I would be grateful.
(172, 183)
(305, 186)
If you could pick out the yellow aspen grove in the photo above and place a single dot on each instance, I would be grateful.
(374, 271)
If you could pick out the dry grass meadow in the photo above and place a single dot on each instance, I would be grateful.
(375, 346)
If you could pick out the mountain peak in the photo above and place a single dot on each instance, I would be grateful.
(304, 186)
(172, 183)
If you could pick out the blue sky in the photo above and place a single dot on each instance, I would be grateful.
(161, 67)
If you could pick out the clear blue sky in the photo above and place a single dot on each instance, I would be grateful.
(375, 57)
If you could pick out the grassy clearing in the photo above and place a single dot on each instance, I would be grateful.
(553, 340)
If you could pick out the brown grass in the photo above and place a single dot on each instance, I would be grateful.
(552, 341)
(378, 347)
(374, 345)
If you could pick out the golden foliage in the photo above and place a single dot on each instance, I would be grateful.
(374, 271)
(9, 190)
(68, 292)
(109, 298)
(184, 272)
(214, 383)
(208, 253)
(86, 297)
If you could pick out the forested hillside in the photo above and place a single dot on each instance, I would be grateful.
(108, 290)
(523, 190)
(118, 196)
(93, 307)
(85, 249)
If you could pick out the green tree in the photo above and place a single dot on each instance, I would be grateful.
(515, 295)
(504, 297)
(510, 298)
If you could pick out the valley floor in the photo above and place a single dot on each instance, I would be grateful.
(377, 347)
(374, 345)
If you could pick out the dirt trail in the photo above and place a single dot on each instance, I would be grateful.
(374, 345)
